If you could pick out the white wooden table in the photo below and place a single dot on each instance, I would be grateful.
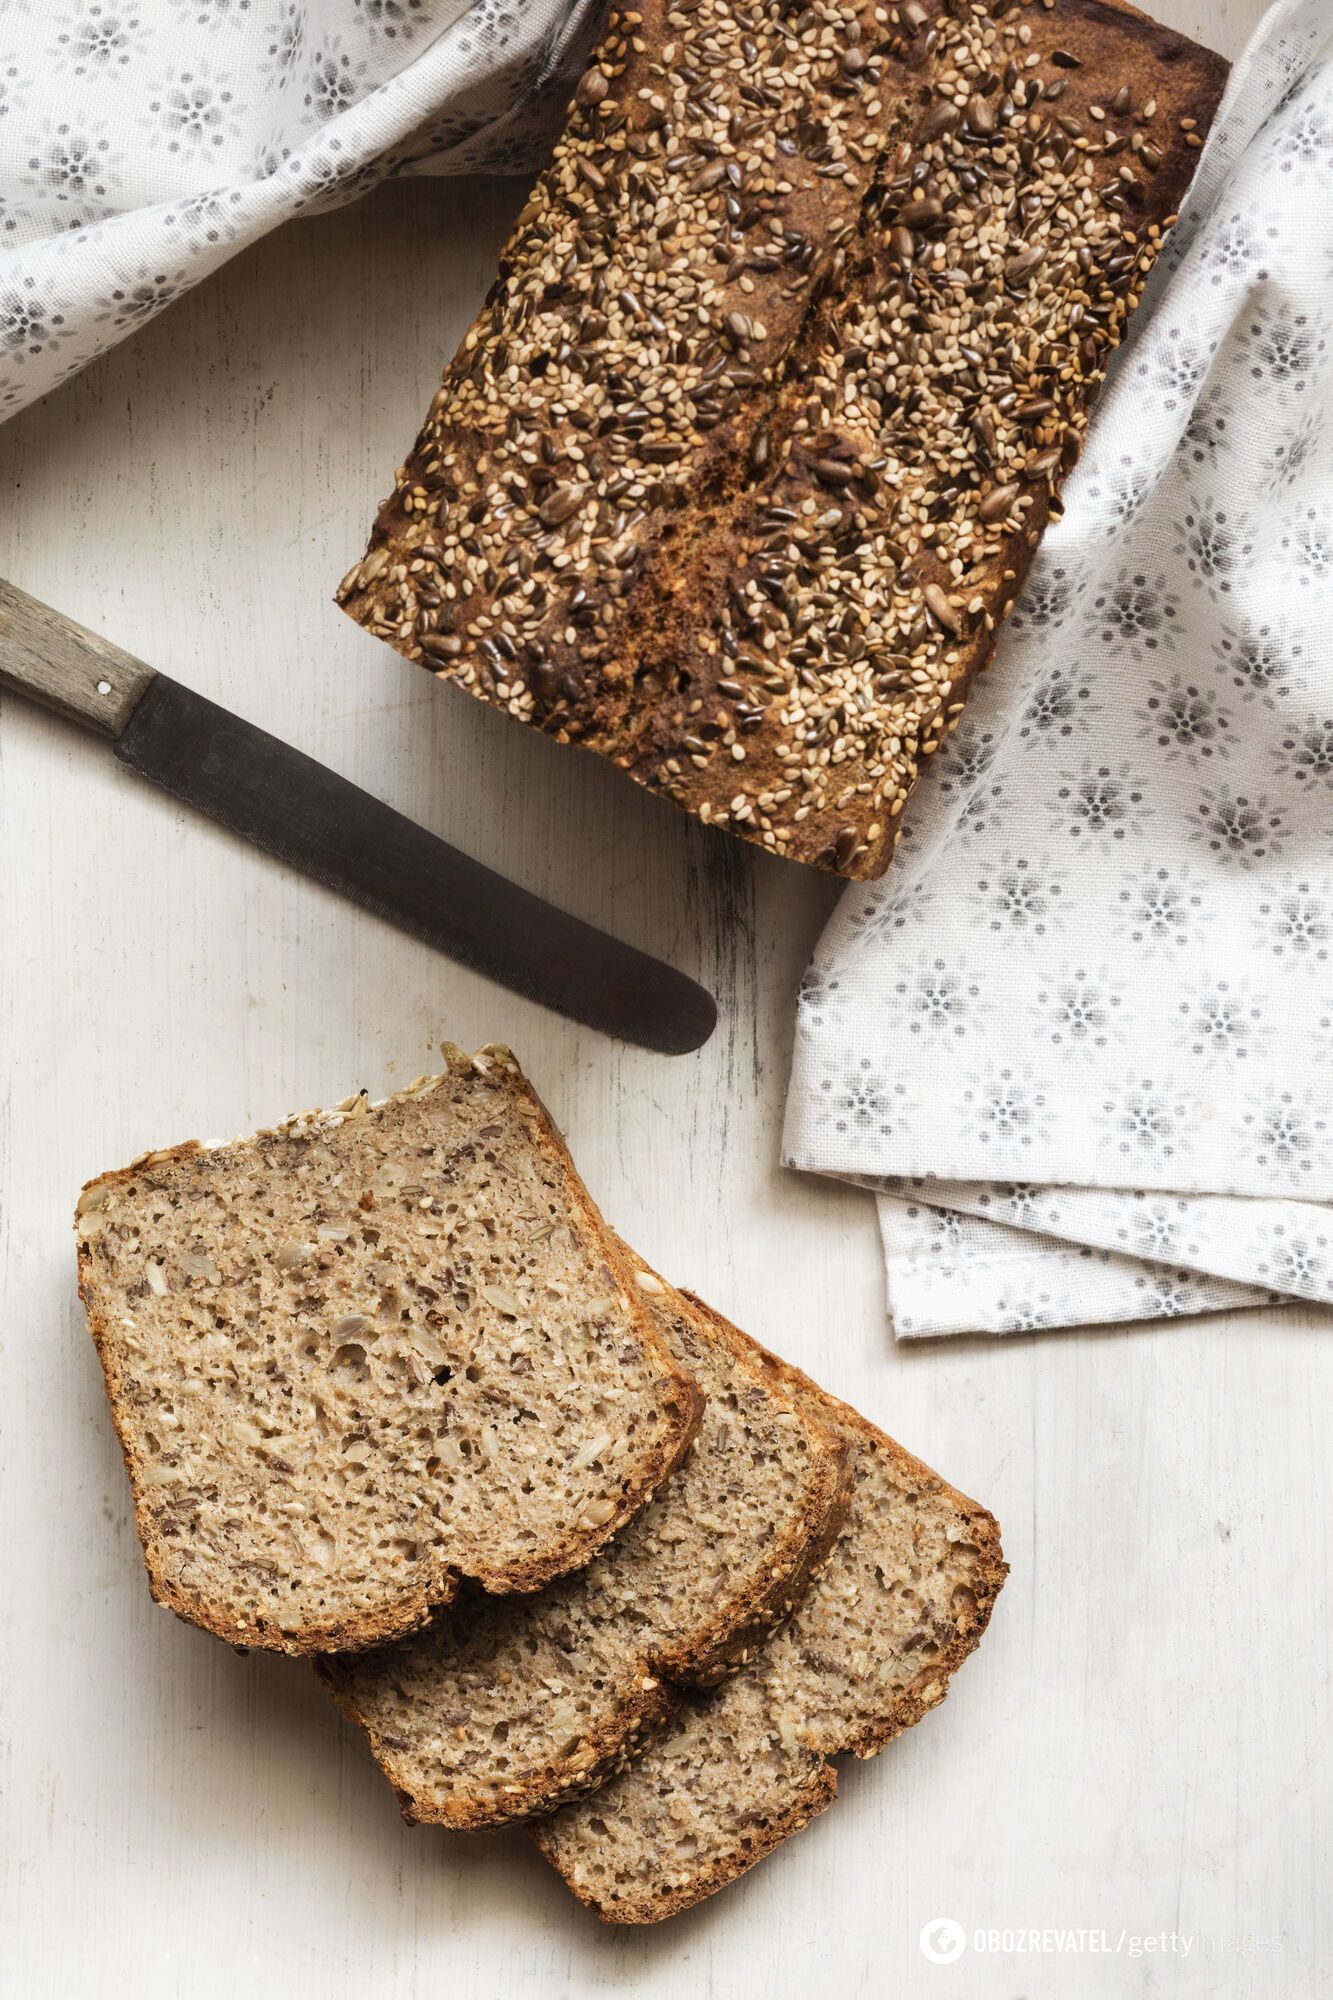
(1141, 1745)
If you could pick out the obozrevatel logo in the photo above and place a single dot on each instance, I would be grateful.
(942, 1940)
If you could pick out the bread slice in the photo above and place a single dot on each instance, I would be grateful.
(359, 1357)
(900, 1603)
(505, 1707)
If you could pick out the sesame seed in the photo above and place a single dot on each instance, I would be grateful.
(867, 413)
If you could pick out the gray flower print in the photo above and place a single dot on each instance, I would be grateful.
(73, 165)
(1123, 492)
(193, 111)
(1185, 721)
(394, 19)
(211, 13)
(13, 86)
(1307, 140)
(1297, 448)
(1020, 897)
(1309, 548)
(1177, 368)
(1305, 755)
(202, 220)
(1260, 660)
(1221, 1023)
(1243, 829)
(327, 181)
(938, 1000)
(967, 755)
(98, 40)
(1297, 1265)
(1044, 600)
(1147, 1118)
(334, 82)
(287, 45)
(1077, 1011)
(964, 764)
(20, 224)
(31, 324)
(944, 1229)
(985, 811)
(909, 909)
(1215, 544)
(1206, 431)
(1155, 1233)
(1005, 1109)
(1283, 346)
(140, 295)
(1060, 706)
(1234, 249)
(1022, 1203)
(860, 1103)
(1028, 1312)
(1296, 925)
(1135, 612)
(1168, 1294)
(1279, 1133)
(1100, 804)
(821, 1001)
(1161, 909)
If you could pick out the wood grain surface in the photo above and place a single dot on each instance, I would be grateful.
(1141, 1746)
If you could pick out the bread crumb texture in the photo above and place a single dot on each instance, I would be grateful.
(365, 1354)
(902, 1600)
(503, 1707)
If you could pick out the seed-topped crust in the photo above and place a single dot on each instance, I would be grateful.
(745, 458)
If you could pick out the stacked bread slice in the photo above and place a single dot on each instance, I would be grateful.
(563, 1541)
(362, 1356)
(503, 1707)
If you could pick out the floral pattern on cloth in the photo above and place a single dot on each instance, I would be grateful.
(141, 145)
(1079, 1040)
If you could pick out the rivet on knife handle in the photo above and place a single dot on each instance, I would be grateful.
(49, 658)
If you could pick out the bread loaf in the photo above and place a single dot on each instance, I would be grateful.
(745, 458)
(902, 1600)
(503, 1707)
(359, 1357)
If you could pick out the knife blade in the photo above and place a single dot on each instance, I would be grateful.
(329, 828)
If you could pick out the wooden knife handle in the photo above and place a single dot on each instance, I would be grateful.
(56, 662)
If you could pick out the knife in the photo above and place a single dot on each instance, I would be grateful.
(329, 828)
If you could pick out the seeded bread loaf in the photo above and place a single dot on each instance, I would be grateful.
(902, 1600)
(505, 1707)
(359, 1357)
(745, 458)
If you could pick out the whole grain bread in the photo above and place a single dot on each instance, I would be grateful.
(746, 456)
(359, 1357)
(902, 1600)
(504, 1707)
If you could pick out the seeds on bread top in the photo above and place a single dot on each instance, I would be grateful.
(744, 460)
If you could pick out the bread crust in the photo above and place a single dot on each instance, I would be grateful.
(657, 642)
(412, 1607)
(818, 1786)
(658, 1682)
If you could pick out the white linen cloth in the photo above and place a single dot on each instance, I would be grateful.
(1080, 1038)
(143, 142)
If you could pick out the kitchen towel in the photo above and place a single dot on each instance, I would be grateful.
(1079, 1041)
(144, 142)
